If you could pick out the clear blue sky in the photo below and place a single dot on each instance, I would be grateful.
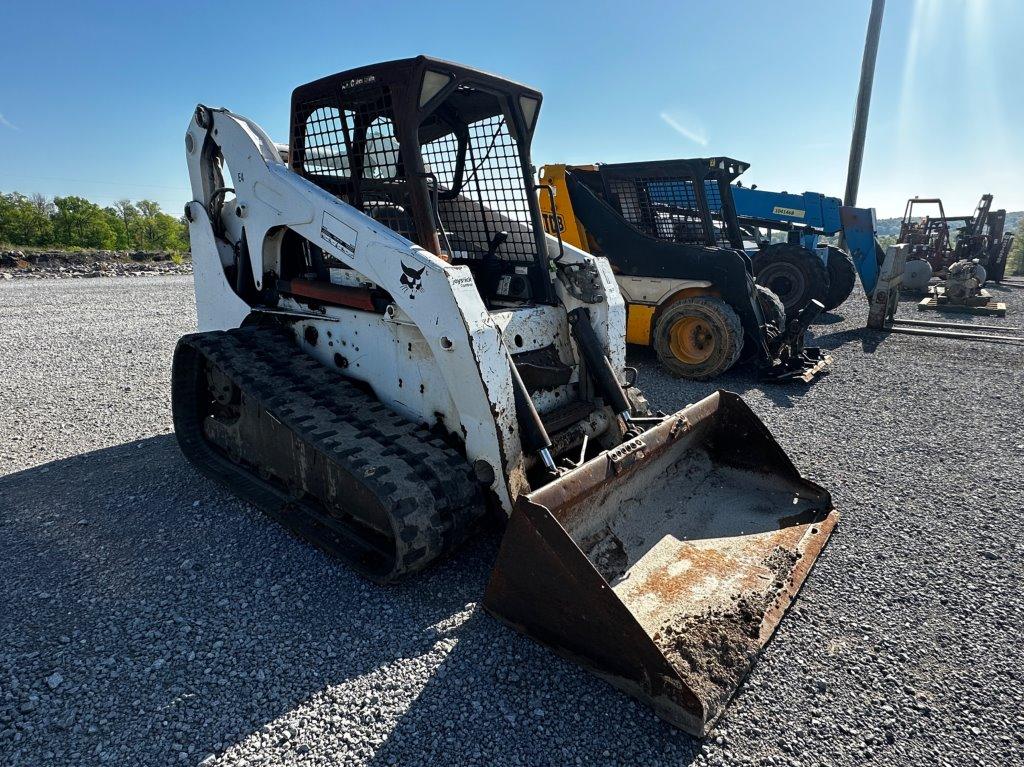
(95, 97)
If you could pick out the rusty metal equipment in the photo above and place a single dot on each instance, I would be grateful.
(664, 566)
(962, 292)
(982, 238)
(937, 241)
(973, 239)
(884, 298)
(999, 253)
(926, 237)
(885, 301)
(999, 243)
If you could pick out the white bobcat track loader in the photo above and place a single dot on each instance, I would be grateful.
(390, 345)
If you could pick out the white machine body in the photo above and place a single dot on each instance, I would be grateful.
(437, 354)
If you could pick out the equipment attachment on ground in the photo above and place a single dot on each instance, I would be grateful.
(664, 565)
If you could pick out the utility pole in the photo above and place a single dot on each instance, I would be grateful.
(860, 123)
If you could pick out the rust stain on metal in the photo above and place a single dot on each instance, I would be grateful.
(672, 583)
(667, 577)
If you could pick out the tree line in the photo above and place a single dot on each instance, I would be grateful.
(75, 222)
(63, 222)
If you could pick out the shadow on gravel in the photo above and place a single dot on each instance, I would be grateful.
(741, 379)
(501, 699)
(870, 340)
(828, 318)
(182, 623)
(177, 616)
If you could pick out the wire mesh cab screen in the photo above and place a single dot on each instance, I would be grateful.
(481, 187)
(437, 152)
(675, 200)
(348, 145)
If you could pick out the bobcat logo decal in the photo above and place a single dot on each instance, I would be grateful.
(412, 279)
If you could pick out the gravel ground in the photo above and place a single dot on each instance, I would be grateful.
(150, 618)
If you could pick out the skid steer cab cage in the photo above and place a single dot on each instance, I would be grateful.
(665, 564)
(436, 151)
(674, 200)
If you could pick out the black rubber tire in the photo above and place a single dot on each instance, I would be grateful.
(794, 273)
(720, 330)
(842, 276)
(771, 308)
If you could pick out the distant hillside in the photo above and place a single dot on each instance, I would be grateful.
(891, 226)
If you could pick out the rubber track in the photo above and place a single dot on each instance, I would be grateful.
(425, 485)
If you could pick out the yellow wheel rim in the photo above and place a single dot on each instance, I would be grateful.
(691, 340)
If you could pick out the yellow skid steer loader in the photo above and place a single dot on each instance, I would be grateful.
(668, 228)
(390, 346)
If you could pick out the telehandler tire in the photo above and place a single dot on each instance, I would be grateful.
(842, 276)
(698, 338)
(771, 307)
(794, 273)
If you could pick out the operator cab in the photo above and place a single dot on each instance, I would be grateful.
(439, 153)
(678, 201)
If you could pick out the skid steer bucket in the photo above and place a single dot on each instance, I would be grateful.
(664, 565)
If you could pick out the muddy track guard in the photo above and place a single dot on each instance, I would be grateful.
(705, 254)
(665, 564)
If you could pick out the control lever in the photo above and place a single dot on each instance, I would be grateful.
(490, 265)
(496, 242)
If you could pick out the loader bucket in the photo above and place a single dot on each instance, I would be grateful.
(665, 564)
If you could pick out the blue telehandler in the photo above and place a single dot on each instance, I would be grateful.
(803, 266)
